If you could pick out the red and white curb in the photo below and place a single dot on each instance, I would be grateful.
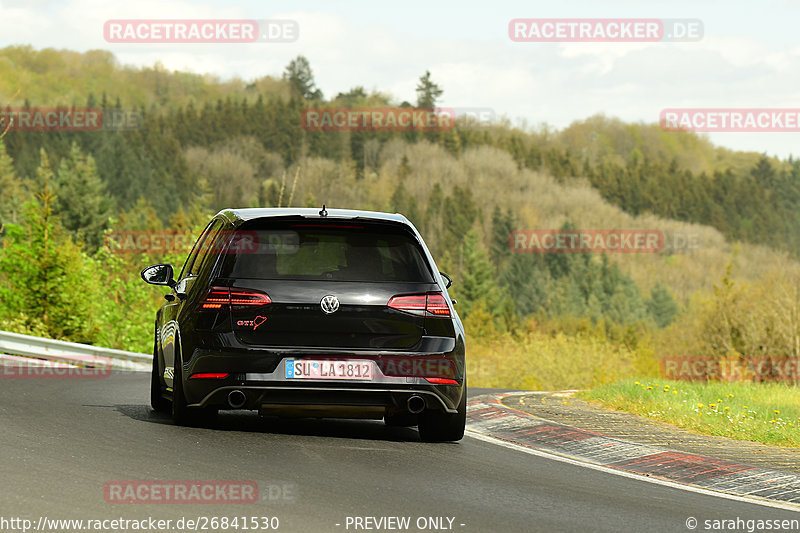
(487, 416)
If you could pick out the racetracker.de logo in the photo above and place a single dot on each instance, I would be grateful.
(565, 241)
(51, 119)
(417, 366)
(162, 242)
(175, 492)
(378, 119)
(784, 369)
(149, 242)
(604, 30)
(78, 367)
(199, 31)
(67, 119)
(709, 120)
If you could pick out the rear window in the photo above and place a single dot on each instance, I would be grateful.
(335, 251)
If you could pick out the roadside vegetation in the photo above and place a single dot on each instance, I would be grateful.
(759, 412)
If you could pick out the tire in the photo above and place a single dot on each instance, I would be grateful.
(183, 415)
(436, 426)
(157, 400)
(401, 420)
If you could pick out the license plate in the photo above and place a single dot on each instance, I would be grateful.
(315, 369)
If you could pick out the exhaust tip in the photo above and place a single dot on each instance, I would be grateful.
(236, 399)
(416, 404)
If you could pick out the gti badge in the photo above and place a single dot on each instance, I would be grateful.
(329, 304)
(257, 321)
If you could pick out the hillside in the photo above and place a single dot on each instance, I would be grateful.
(203, 144)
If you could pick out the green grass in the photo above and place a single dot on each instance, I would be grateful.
(760, 412)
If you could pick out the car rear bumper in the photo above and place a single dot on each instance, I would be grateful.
(327, 400)
(263, 380)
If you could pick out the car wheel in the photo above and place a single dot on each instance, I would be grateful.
(157, 400)
(435, 426)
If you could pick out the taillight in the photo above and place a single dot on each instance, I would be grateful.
(216, 298)
(441, 381)
(409, 302)
(432, 303)
(243, 298)
(219, 298)
(437, 305)
(209, 375)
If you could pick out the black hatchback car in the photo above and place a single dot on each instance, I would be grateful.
(311, 313)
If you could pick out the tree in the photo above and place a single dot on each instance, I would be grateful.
(427, 91)
(662, 306)
(433, 217)
(45, 280)
(625, 305)
(404, 203)
(460, 211)
(301, 79)
(142, 216)
(231, 169)
(529, 283)
(354, 96)
(452, 142)
(13, 194)
(477, 279)
(268, 193)
(81, 201)
(502, 226)
(763, 173)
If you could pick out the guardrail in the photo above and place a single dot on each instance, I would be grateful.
(72, 352)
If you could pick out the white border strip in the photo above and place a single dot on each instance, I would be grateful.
(608, 470)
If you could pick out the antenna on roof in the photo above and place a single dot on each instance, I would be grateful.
(323, 212)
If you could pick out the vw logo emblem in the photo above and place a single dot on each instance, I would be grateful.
(329, 304)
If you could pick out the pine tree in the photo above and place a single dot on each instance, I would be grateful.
(405, 204)
(427, 91)
(502, 226)
(477, 278)
(44, 278)
(528, 282)
(301, 79)
(81, 201)
(661, 306)
(13, 193)
(625, 304)
(460, 211)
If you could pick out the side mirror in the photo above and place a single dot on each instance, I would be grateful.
(159, 275)
(448, 278)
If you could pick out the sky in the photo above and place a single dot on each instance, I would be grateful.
(748, 57)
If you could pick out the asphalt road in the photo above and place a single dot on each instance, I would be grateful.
(63, 440)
